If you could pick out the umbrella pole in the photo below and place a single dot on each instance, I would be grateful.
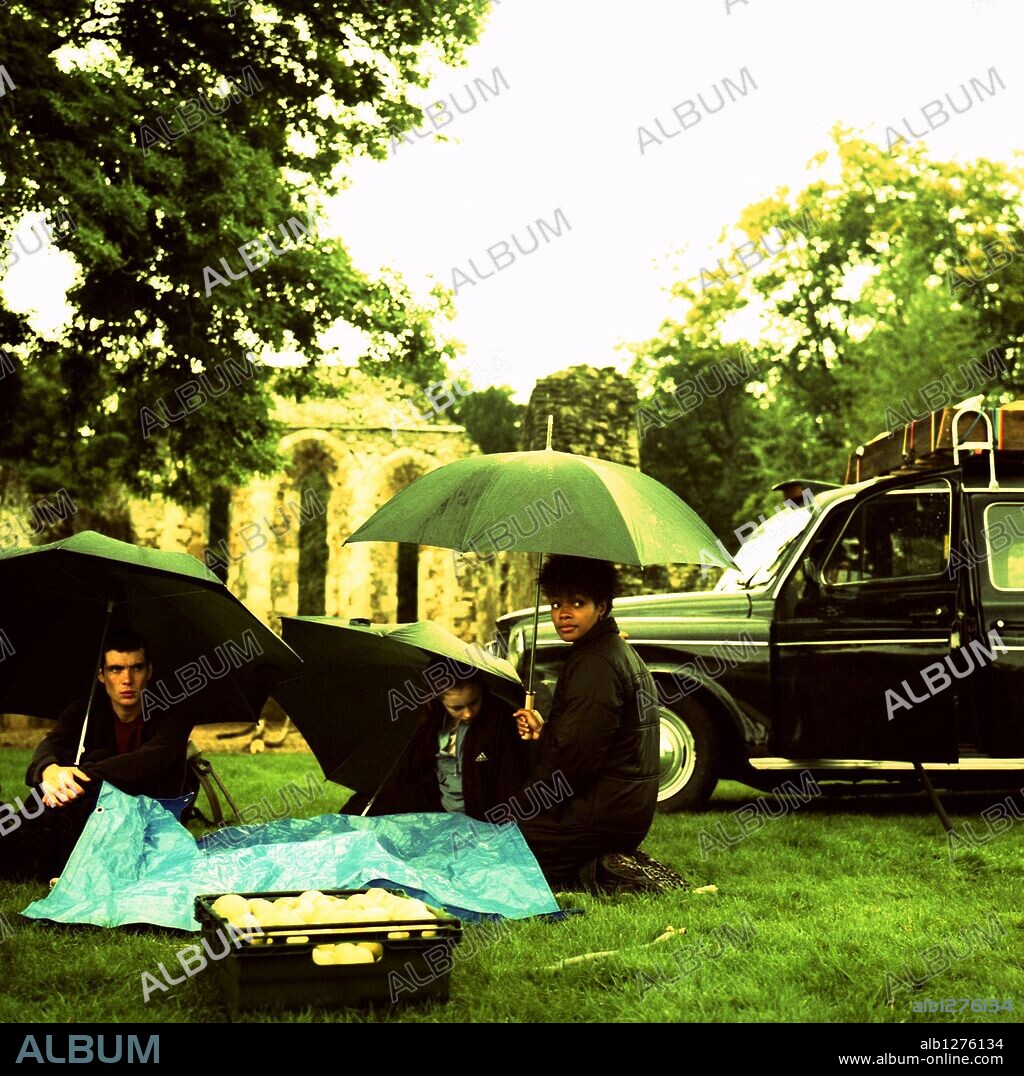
(387, 777)
(92, 685)
(531, 694)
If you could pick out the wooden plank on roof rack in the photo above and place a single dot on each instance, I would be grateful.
(928, 441)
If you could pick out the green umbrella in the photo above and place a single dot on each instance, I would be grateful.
(546, 502)
(212, 659)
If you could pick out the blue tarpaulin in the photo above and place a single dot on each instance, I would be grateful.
(135, 864)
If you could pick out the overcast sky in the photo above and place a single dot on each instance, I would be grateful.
(583, 76)
(575, 81)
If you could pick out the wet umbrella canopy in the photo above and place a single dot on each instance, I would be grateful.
(546, 502)
(212, 659)
(813, 484)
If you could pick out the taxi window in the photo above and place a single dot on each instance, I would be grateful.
(903, 534)
(1004, 541)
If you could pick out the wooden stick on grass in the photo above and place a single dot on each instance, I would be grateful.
(664, 936)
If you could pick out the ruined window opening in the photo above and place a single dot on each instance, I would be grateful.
(313, 548)
(218, 523)
(408, 582)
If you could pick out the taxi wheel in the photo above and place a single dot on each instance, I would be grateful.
(689, 757)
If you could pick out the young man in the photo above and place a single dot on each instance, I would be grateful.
(138, 756)
(601, 738)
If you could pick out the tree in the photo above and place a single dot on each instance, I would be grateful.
(698, 427)
(491, 418)
(885, 273)
(185, 148)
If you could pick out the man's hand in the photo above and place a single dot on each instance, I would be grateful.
(59, 785)
(529, 724)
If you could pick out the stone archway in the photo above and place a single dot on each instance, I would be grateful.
(311, 472)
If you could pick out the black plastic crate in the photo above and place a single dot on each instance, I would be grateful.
(266, 971)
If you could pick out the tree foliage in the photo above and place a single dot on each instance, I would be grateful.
(710, 463)
(887, 272)
(171, 136)
(491, 418)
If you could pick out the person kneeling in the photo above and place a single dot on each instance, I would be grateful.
(600, 747)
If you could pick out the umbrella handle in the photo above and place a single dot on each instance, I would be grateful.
(530, 698)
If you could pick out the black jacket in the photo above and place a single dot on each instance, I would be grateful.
(156, 769)
(603, 734)
(495, 762)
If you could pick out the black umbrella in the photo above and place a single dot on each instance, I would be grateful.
(212, 659)
(362, 689)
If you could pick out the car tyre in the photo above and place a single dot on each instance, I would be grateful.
(689, 757)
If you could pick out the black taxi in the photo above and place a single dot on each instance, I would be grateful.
(877, 626)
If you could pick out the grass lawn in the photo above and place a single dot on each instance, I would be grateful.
(814, 909)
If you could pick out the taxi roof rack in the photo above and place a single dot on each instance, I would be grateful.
(940, 439)
(988, 445)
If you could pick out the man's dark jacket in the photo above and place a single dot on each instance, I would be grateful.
(494, 764)
(603, 733)
(156, 769)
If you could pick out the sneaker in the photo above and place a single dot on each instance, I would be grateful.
(636, 872)
(667, 875)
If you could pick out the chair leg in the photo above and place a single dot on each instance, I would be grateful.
(217, 814)
(227, 795)
(933, 797)
(208, 778)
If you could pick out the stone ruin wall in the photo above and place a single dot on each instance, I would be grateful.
(366, 447)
